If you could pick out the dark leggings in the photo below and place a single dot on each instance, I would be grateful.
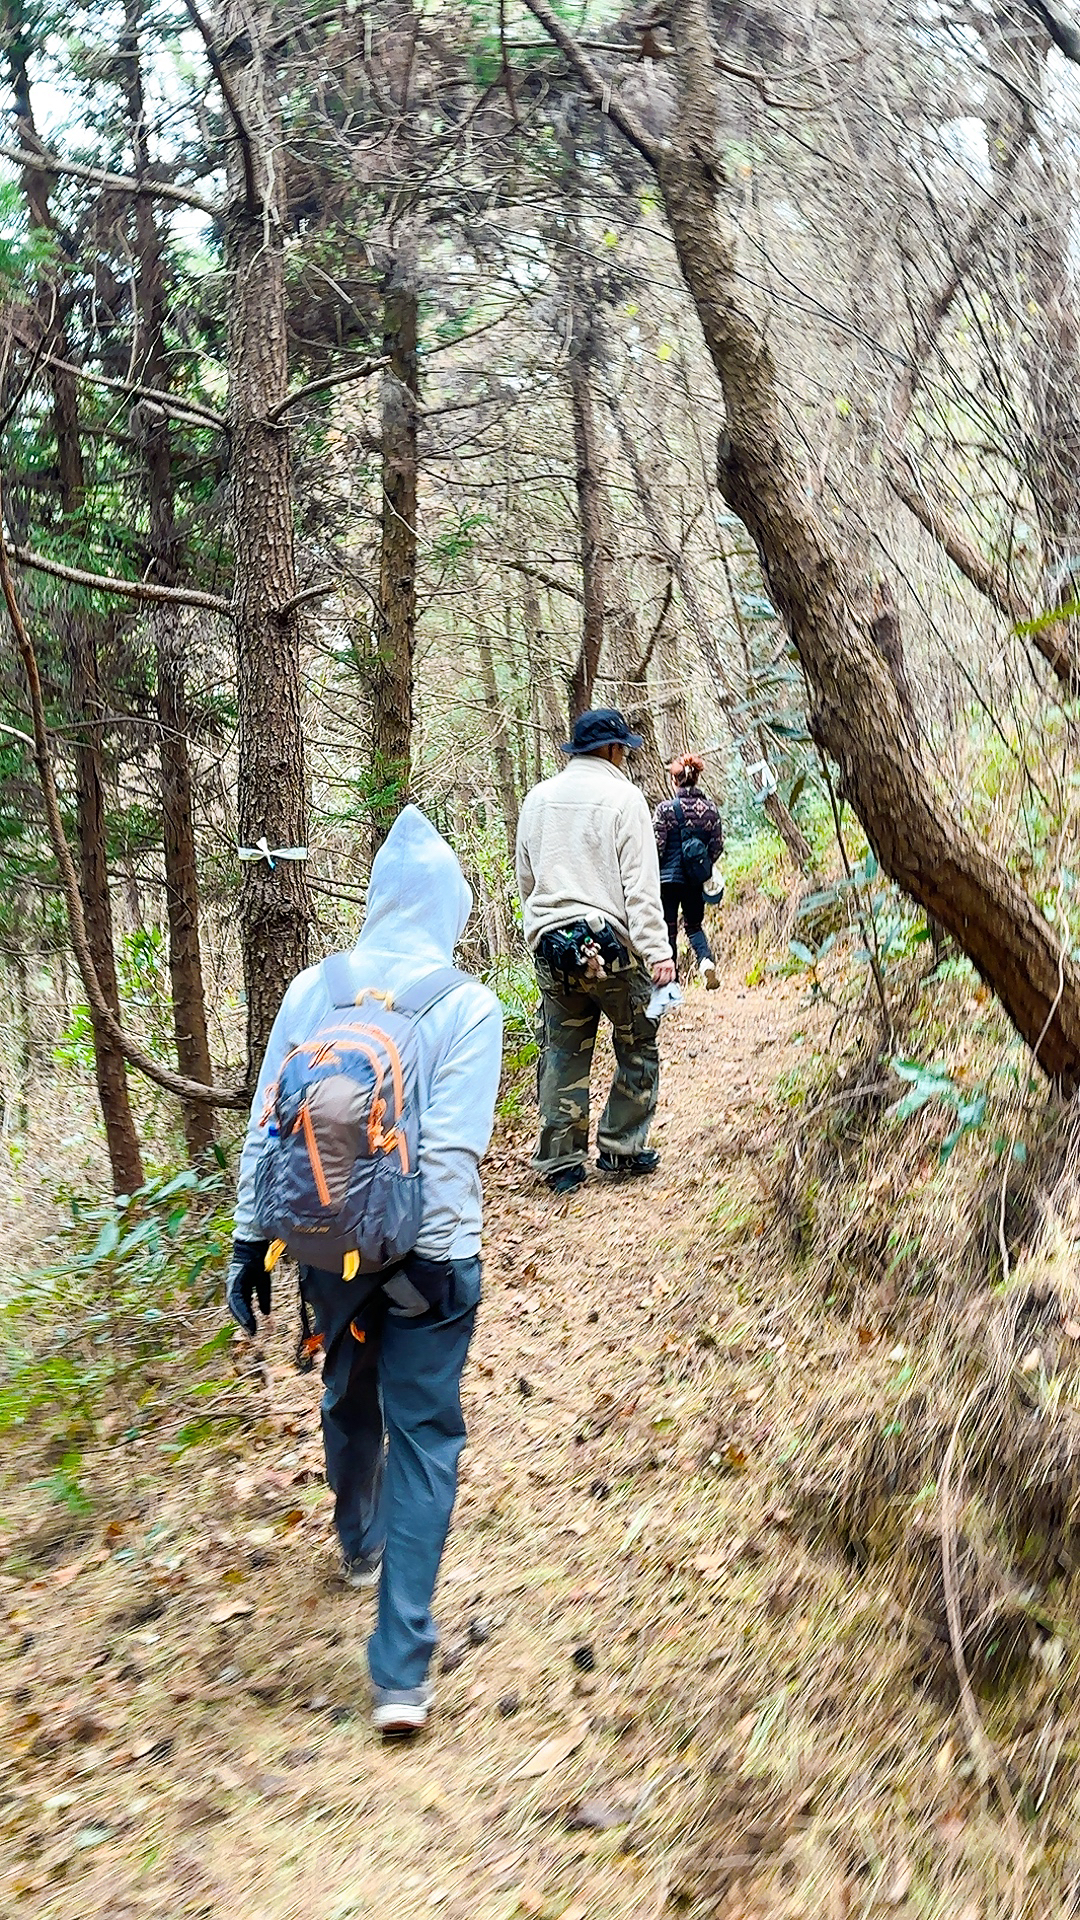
(690, 896)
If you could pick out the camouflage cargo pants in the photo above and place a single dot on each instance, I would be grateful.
(567, 1029)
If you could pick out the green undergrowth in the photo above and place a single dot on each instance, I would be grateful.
(86, 1342)
(514, 980)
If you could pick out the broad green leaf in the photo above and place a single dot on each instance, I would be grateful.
(106, 1242)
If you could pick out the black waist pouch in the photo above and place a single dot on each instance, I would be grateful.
(578, 952)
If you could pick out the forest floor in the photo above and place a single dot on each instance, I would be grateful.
(651, 1683)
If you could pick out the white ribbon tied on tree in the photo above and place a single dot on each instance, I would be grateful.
(762, 779)
(262, 851)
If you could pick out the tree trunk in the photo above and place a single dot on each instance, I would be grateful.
(109, 1068)
(704, 633)
(549, 711)
(81, 647)
(21, 1117)
(631, 662)
(595, 559)
(857, 715)
(178, 831)
(392, 668)
(271, 788)
(500, 735)
(181, 878)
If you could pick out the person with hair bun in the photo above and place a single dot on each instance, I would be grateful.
(689, 838)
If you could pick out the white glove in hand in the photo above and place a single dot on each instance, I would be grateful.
(662, 1001)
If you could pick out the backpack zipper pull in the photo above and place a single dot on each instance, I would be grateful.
(273, 1254)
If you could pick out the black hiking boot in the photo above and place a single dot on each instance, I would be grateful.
(622, 1164)
(566, 1179)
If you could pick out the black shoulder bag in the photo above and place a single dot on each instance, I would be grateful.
(696, 859)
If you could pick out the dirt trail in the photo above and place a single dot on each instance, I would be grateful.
(162, 1756)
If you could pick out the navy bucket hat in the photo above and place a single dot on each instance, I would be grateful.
(602, 727)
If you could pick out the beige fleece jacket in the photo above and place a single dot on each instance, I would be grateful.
(586, 846)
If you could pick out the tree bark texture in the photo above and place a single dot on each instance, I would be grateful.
(395, 637)
(181, 877)
(110, 1071)
(595, 559)
(858, 717)
(271, 793)
(80, 634)
(150, 425)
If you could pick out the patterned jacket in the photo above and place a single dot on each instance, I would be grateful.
(702, 817)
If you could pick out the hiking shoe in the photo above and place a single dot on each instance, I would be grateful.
(565, 1179)
(629, 1163)
(707, 972)
(362, 1573)
(403, 1712)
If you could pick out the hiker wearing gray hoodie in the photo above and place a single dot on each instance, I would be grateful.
(391, 1410)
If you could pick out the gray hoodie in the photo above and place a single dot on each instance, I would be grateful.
(417, 905)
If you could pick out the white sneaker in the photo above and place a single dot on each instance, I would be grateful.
(362, 1574)
(402, 1712)
(708, 973)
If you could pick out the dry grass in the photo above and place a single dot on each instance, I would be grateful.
(705, 1459)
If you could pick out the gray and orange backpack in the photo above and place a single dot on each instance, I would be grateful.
(337, 1184)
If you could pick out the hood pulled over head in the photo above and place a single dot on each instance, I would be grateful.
(418, 899)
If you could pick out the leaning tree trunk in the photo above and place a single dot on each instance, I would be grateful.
(858, 717)
(822, 591)
(395, 637)
(178, 831)
(271, 787)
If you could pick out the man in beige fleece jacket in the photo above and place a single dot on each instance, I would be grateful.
(589, 880)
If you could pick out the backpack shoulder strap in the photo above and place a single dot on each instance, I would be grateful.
(679, 814)
(338, 979)
(416, 1000)
(427, 991)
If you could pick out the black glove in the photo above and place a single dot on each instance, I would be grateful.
(433, 1278)
(247, 1280)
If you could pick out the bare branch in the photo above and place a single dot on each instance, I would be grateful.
(304, 597)
(127, 589)
(658, 627)
(1051, 639)
(328, 380)
(176, 1083)
(114, 182)
(595, 84)
(546, 579)
(192, 411)
(932, 515)
(251, 192)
